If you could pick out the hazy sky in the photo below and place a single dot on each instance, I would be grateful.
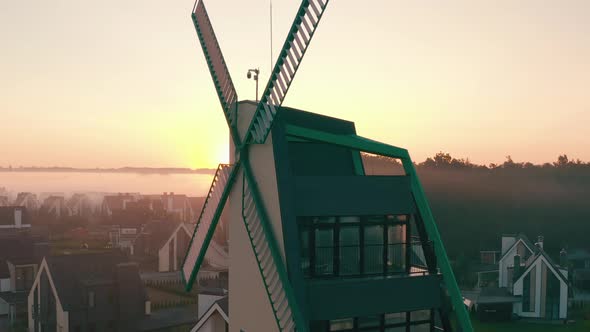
(124, 83)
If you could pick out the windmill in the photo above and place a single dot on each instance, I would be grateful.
(273, 200)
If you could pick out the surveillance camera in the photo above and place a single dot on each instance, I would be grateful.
(249, 75)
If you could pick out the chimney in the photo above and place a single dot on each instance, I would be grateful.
(516, 270)
(563, 258)
(539, 243)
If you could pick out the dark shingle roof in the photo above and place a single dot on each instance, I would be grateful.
(73, 273)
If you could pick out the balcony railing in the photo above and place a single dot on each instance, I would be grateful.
(367, 260)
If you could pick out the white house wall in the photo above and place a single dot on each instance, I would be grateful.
(508, 261)
(4, 287)
(539, 292)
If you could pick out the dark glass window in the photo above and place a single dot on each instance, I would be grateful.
(324, 250)
(355, 246)
(341, 325)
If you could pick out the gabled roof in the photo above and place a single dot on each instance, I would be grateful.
(220, 306)
(553, 267)
(157, 232)
(19, 248)
(76, 199)
(520, 238)
(188, 228)
(115, 202)
(73, 273)
(53, 200)
(22, 197)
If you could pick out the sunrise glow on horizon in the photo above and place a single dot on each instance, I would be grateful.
(125, 83)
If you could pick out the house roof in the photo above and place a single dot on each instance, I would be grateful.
(19, 248)
(157, 232)
(14, 297)
(490, 295)
(115, 202)
(541, 253)
(71, 274)
(7, 214)
(524, 239)
(52, 200)
(220, 306)
(22, 197)
(168, 318)
(76, 199)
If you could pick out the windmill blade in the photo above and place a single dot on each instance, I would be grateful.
(214, 203)
(306, 21)
(219, 72)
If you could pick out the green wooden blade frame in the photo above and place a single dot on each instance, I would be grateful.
(218, 210)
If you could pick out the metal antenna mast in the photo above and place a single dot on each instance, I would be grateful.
(270, 69)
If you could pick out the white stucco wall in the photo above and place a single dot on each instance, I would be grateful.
(518, 290)
(164, 258)
(506, 262)
(248, 303)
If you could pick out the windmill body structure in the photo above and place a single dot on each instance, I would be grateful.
(317, 243)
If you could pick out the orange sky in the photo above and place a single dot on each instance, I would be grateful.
(124, 83)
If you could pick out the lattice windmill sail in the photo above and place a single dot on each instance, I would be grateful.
(305, 217)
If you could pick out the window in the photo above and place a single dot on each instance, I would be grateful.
(91, 299)
(419, 320)
(528, 291)
(370, 323)
(25, 276)
(342, 325)
(356, 246)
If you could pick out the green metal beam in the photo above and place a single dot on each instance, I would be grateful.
(348, 141)
(441, 254)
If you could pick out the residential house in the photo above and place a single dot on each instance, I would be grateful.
(20, 255)
(4, 201)
(179, 206)
(533, 285)
(55, 207)
(215, 319)
(123, 237)
(87, 292)
(113, 203)
(172, 249)
(13, 218)
(28, 200)
(487, 269)
(79, 205)
(152, 237)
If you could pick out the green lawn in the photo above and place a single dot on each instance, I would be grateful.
(579, 326)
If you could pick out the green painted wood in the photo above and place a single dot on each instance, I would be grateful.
(350, 141)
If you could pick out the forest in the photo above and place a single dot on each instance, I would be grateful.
(475, 204)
